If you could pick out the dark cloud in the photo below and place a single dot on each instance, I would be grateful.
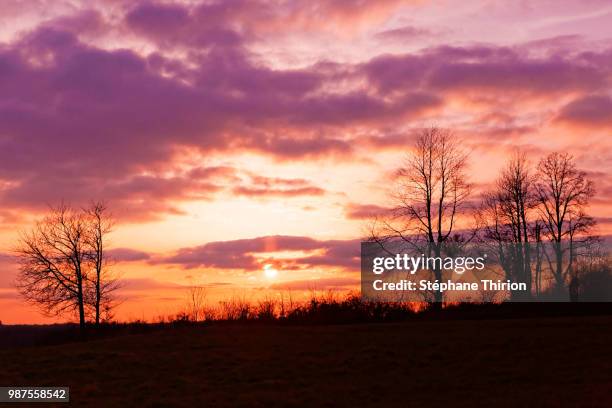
(241, 254)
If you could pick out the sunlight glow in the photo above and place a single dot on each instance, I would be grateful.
(269, 271)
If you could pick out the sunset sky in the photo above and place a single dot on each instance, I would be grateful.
(230, 135)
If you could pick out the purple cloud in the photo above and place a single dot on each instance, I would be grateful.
(591, 110)
(406, 33)
(365, 211)
(79, 121)
(487, 68)
(241, 254)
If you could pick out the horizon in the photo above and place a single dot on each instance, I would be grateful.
(244, 146)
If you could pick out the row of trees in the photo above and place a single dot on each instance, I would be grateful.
(64, 266)
(532, 219)
(526, 210)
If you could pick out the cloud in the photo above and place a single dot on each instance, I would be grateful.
(403, 34)
(237, 254)
(84, 119)
(127, 255)
(248, 254)
(337, 253)
(172, 24)
(487, 68)
(590, 110)
(232, 23)
(261, 186)
(272, 192)
(355, 211)
(119, 120)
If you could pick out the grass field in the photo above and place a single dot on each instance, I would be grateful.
(561, 361)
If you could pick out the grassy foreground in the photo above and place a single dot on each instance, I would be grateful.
(561, 361)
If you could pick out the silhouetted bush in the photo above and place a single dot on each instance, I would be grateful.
(352, 309)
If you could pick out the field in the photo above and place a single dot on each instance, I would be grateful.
(555, 361)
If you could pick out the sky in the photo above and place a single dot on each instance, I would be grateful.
(231, 138)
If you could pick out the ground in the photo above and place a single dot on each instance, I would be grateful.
(560, 361)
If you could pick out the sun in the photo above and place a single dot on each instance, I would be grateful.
(269, 271)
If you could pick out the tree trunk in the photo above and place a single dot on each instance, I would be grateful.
(81, 302)
(438, 295)
(98, 301)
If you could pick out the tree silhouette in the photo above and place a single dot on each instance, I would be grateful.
(99, 224)
(431, 192)
(505, 219)
(62, 262)
(563, 193)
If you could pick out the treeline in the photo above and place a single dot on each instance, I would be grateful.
(536, 222)
(534, 219)
(331, 307)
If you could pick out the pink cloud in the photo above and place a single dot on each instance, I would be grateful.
(355, 211)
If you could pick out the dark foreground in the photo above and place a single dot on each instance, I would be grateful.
(556, 361)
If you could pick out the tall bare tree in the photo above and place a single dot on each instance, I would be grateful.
(563, 192)
(102, 283)
(61, 265)
(505, 218)
(51, 259)
(432, 191)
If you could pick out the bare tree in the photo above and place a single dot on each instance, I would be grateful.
(563, 193)
(539, 256)
(196, 303)
(59, 269)
(51, 259)
(102, 282)
(505, 218)
(432, 191)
